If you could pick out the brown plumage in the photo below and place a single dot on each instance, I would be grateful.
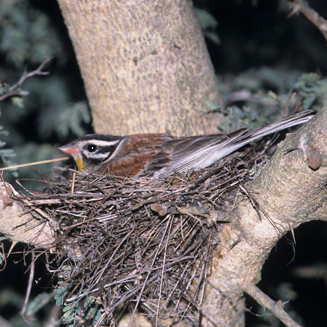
(134, 157)
(159, 155)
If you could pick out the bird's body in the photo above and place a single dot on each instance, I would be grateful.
(160, 155)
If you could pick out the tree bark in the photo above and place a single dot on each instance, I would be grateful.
(146, 69)
(20, 225)
(288, 193)
(145, 65)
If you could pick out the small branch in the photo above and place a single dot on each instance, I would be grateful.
(34, 163)
(13, 90)
(29, 286)
(275, 307)
(301, 6)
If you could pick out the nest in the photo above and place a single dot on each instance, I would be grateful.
(125, 244)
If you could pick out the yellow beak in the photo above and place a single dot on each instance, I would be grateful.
(75, 153)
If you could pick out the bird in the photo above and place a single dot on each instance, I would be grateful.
(159, 155)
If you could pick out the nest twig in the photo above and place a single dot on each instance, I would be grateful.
(147, 244)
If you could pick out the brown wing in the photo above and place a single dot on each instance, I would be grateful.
(183, 154)
(138, 151)
(162, 154)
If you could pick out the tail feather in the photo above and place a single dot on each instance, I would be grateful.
(220, 145)
(297, 119)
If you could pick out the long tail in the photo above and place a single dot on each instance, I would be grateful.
(201, 152)
(297, 119)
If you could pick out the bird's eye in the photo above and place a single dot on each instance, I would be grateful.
(91, 147)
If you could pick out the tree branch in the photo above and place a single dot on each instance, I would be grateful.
(275, 307)
(21, 226)
(301, 6)
(288, 193)
(14, 89)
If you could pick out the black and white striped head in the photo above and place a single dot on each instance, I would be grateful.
(93, 149)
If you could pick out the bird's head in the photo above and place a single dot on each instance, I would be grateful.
(92, 150)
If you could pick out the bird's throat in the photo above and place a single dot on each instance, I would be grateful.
(79, 163)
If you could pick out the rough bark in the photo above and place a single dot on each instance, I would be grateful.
(18, 224)
(146, 69)
(145, 65)
(287, 193)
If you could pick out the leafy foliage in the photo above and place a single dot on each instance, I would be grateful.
(56, 107)
(72, 310)
(69, 120)
(45, 109)
(26, 34)
(257, 96)
(208, 24)
(313, 90)
(6, 155)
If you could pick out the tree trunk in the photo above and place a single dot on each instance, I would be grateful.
(146, 69)
(287, 193)
(145, 65)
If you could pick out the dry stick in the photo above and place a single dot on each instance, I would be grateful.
(204, 273)
(72, 189)
(163, 271)
(13, 90)
(30, 283)
(267, 302)
(102, 317)
(303, 7)
(289, 102)
(38, 210)
(148, 275)
(34, 163)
